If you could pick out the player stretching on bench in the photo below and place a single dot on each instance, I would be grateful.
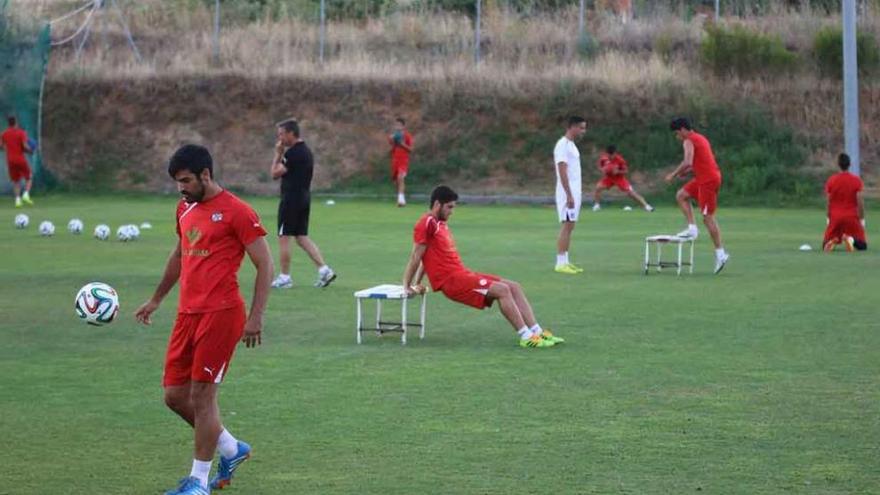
(434, 251)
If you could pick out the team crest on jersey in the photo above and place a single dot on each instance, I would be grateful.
(193, 235)
(216, 217)
(483, 282)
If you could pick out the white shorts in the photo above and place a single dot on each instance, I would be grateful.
(568, 214)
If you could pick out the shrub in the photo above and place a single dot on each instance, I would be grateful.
(743, 52)
(828, 52)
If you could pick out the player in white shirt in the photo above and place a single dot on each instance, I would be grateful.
(567, 163)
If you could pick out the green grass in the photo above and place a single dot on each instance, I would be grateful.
(765, 379)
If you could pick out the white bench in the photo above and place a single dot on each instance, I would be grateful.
(381, 293)
(659, 241)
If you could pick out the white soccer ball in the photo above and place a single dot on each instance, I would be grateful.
(627, 208)
(46, 228)
(75, 226)
(123, 234)
(102, 232)
(134, 232)
(97, 303)
(21, 221)
(146, 226)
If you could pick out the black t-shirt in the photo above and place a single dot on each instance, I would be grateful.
(295, 184)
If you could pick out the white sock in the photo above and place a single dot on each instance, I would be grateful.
(537, 329)
(201, 470)
(565, 257)
(524, 333)
(227, 445)
(560, 259)
(719, 252)
(324, 269)
(284, 276)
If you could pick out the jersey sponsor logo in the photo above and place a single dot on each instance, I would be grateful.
(217, 217)
(193, 235)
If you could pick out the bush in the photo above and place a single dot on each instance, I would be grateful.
(828, 52)
(743, 52)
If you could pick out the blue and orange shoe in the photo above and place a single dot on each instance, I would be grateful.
(189, 486)
(227, 466)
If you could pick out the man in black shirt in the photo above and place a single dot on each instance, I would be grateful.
(293, 164)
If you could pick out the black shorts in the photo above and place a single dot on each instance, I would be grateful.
(293, 218)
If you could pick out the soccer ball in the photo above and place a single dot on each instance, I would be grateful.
(97, 303)
(75, 226)
(46, 228)
(146, 226)
(123, 233)
(21, 221)
(102, 232)
(134, 232)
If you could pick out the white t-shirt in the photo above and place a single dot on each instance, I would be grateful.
(566, 151)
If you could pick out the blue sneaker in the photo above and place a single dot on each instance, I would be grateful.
(227, 466)
(189, 486)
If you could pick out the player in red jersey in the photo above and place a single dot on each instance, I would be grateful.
(846, 209)
(434, 253)
(615, 169)
(215, 229)
(703, 188)
(15, 141)
(401, 142)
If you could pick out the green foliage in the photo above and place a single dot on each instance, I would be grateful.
(828, 52)
(740, 51)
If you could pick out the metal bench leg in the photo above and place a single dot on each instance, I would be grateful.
(647, 256)
(403, 320)
(422, 330)
(659, 256)
(678, 265)
(692, 258)
(378, 316)
(359, 320)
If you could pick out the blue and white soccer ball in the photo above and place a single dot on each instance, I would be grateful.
(97, 303)
(21, 221)
(134, 232)
(102, 232)
(47, 228)
(123, 233)
(75, 226)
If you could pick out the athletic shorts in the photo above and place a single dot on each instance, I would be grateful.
(839, 227)
(18, 171)
(201, 346)
(470, 288)
(293, 218)
(620, 181)
(399, 169)
(705, 194)
(568, 214)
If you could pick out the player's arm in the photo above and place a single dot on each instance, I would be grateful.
(25, 145)
(408, 147)
(261, 257)
(169, 278)
(685, 164)
(563, 179)
(413, 266)
(278, 169)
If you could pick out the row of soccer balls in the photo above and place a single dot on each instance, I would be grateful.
(128, 232)
(97, 303)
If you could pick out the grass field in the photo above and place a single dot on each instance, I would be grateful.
(764, 379)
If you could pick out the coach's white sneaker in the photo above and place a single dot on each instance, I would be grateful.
(720, 261)
(282, 282)
(597, 207)
(688, 233)
(325, 276)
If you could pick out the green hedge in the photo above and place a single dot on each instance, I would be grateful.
(828, 52)
(740, 51)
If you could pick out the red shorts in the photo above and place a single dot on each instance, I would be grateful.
(839, 227)
(620, 181)
(19, 171)
(469, 288)
(399, 169)
(706, 195)
(201, 346)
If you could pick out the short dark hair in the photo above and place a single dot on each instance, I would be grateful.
(843, 161)
(575, 120)
(611, 149)
(680, 123)
(290, 125)
(191, 157)
(400, 119)
(11, 120)
(443, 194)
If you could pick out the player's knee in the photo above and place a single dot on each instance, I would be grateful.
(176, 400)
(501, 290)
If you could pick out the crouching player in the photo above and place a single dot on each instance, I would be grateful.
(434, 252)
(615, 168)
(846, 209)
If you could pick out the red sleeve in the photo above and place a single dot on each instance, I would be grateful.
(409, 139)
(180, 207)
(622, 163)
(246, 225)
(424, 230)
(861, 185)
(828, 185)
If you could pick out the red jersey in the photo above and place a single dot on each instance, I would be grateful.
(441, 259)
(399, 154)
(705, 167)
(13, 140)
(213, 235)
(608, 163)
(842, 189)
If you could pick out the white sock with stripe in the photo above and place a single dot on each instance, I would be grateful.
(227, 445)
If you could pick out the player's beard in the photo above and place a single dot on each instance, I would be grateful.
(197, 195)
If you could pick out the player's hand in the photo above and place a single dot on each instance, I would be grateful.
(569, 203)
(279, 148)
(670, 177)
(144, 312)
(253, 331)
